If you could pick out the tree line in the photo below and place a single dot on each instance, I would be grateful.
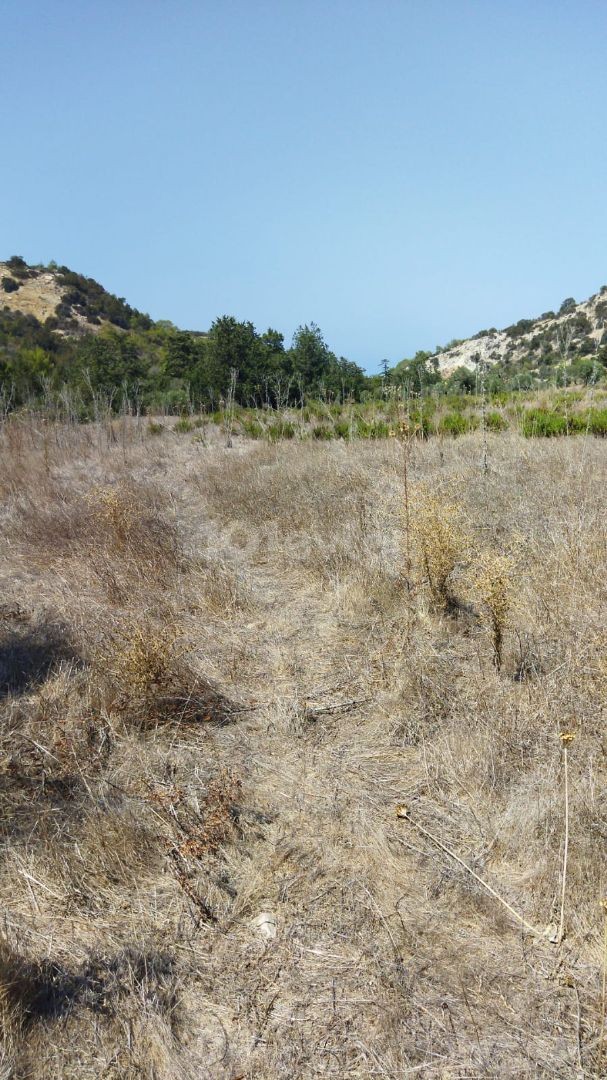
(162, 367)
(96, 346)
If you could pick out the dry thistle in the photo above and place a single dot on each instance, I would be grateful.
(442, 541)
(566, 738)
(493, 580)
(145, 664)
(114, 512)
(152, 679)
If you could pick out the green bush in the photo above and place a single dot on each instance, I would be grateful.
(283, 429)
(542, 423)
(321, 431)
(456, 423)
(593, 422)
(183, 426)
(372, 429)
(342, 429)
(154, 428)
(314, 410)
(586, 370)
(598, 422)
(9, 284)
(495, 421)
(252, 428)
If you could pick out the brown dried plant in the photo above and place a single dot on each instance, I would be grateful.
(493, 578)
(115, 514)
(442, 541)
(150, 678)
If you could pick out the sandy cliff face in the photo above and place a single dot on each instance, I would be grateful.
(560, 334)
(37, 295)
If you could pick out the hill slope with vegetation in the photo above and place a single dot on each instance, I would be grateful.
(59, 329)
(574, 335)
(63, 337)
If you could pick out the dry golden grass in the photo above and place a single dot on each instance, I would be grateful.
(218, 682)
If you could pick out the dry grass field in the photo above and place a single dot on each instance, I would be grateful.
(284, 790)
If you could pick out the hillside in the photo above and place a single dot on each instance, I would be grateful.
(63, 333)
(577, 329)
(38, 294)
(72, 301)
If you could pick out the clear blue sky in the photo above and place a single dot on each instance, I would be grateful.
(401, 173)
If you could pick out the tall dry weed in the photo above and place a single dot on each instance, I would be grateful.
(442, 540)
(494, 580)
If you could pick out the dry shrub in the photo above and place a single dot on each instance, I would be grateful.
(129, 521)
(150, 679)
(493, 579)
(443, 542)
(214, 824)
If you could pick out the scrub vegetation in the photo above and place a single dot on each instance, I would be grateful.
(68, 345)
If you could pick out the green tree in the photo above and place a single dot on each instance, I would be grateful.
(418, 374)
(310, 357)
(181, 354)
(235, 346)
(462, 381)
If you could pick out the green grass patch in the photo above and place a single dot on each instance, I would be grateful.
(457, 423)
(495, 421)
(543, 423)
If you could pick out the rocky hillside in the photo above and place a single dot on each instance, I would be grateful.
(39, 293)
(575, 330)
(68, 302)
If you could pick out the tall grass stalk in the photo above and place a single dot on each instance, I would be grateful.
(566, 738)
(603, 987)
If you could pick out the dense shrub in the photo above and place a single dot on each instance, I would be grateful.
(9, 284)
(542, 422)
(284, 429)
(457, 423)
(342, 429)
(373, 429)
(322, 431)
(523, 326)
(592, 422)
(598, 422)
(252, 427)
(495, 421)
